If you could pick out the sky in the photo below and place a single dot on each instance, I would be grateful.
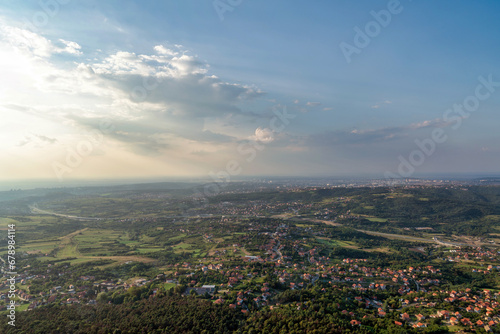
(229, 88)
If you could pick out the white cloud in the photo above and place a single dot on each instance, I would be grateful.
(187, 121)
(438, 122)
(162, 50)
(263, 135)
(372, 136)
(71, 47)
(37, 140)
(35, 44)
(378, 105)
(313, 104)
(122, 63)
(27, 41)
(166, 64)
(63, 100)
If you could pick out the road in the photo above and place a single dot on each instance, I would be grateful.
(44, 212)
(397, 236)
(447, 243)
(435, 240)
(276, 249)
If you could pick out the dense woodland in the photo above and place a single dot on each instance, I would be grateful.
(174, 314)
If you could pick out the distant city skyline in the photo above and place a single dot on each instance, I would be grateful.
(149, 89)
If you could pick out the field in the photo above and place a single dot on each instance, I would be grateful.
(377, 220)
(6, 221)
(86, 241)
(82, 245)
(398, 236)
(337, 243)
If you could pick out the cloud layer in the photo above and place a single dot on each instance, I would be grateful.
(171, 114)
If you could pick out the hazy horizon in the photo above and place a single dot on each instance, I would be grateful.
(7, 185)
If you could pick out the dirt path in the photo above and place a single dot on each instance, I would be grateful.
(398, 236)
(68, 238)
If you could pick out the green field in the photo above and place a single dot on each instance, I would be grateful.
(377, 220)
(6, 221)
(82, 245)
(336, 243)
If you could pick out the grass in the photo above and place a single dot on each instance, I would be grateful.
(39, 220)
(125, 239)
(328, 200)
(398, 195)
(72, 261)
(386, 250)
(146, 238)
(149, 250)
(33, 228)
(377, 220)
(455, 329)
(69, 250)
(22, 307)
(178, 237)
(103, 206)
(259, 279)
(187, 247)
(6, 221)
(96, 243)
(168, 286)
(182, 245)
(336, 243)
(42, 247)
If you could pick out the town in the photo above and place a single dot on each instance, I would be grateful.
(251, 254)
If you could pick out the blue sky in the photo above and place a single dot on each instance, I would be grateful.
(168, 88)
